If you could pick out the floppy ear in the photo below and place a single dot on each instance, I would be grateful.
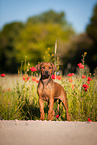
(38, 66)
(54, 68)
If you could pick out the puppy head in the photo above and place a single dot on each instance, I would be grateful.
(46, 69)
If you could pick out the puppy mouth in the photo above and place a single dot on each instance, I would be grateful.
(46, 74)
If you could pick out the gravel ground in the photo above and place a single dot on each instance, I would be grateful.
(14, 132)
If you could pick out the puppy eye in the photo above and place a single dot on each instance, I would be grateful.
(49, 67)
(43, 67)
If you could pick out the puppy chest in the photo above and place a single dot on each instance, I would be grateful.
(46, 92)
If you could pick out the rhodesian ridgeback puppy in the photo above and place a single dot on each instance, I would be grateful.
(48, 90)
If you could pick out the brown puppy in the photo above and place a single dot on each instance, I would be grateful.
(48, 90)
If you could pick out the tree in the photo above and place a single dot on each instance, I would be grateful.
(49, 16)
(7, 47)
(74, 51)
(86, 42)
(34, 39)
(92, 33)
(41, 32)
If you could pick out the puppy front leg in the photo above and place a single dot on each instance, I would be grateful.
(51, 112)
(41, 102)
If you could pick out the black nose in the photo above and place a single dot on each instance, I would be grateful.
(46, 72)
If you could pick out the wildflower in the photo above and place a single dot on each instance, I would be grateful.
(81, 66)
(37, 81)
(23, 78)
(2, 75)
(34, 79)
(52, 54)
(85, 86)
(70, 74)
(70, 80)
(88, 82)
(53, 77)
(83, 76)
(26, 78)
(58, 67)
(3, 91)
(58, 77)
(85, 89)
(8, 89)
(57, 116)
(57, 58)
(89, 120)
(48, 48)
(33, 69)
(85, 53)
(72, 86)
(89, 79)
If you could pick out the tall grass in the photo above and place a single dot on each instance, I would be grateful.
(20, 100)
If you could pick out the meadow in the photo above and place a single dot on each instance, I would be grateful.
(19, 99)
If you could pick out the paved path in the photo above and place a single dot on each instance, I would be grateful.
(47, 133)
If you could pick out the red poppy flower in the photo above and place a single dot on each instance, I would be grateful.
(58, 77)
(81, 65)
(88, 82)
(34, 79)
(53, 76)
(3, 91)
(83, 76)
(72, 86)
(2, 75)
(23, 78)
(33, 69)
(37, 81)
(8, 89)
(57, 116)
(89, 120)
(26, 78)
(89, 79)
(70, 80)
(85, 86)
(85, 89)
(70, 74)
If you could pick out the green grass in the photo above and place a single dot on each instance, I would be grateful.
(19, 99)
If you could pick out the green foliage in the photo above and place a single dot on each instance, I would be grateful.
(21, 101)
(32, 39)
(49, 16)
(92, 33)
(82, 105)
(79, 44)
(92, 27)
(7, 46)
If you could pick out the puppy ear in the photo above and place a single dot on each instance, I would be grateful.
(54, 68)
(38, 67)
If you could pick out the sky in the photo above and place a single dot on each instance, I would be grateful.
(78, 12)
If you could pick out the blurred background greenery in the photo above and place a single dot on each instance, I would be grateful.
(39, 33)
